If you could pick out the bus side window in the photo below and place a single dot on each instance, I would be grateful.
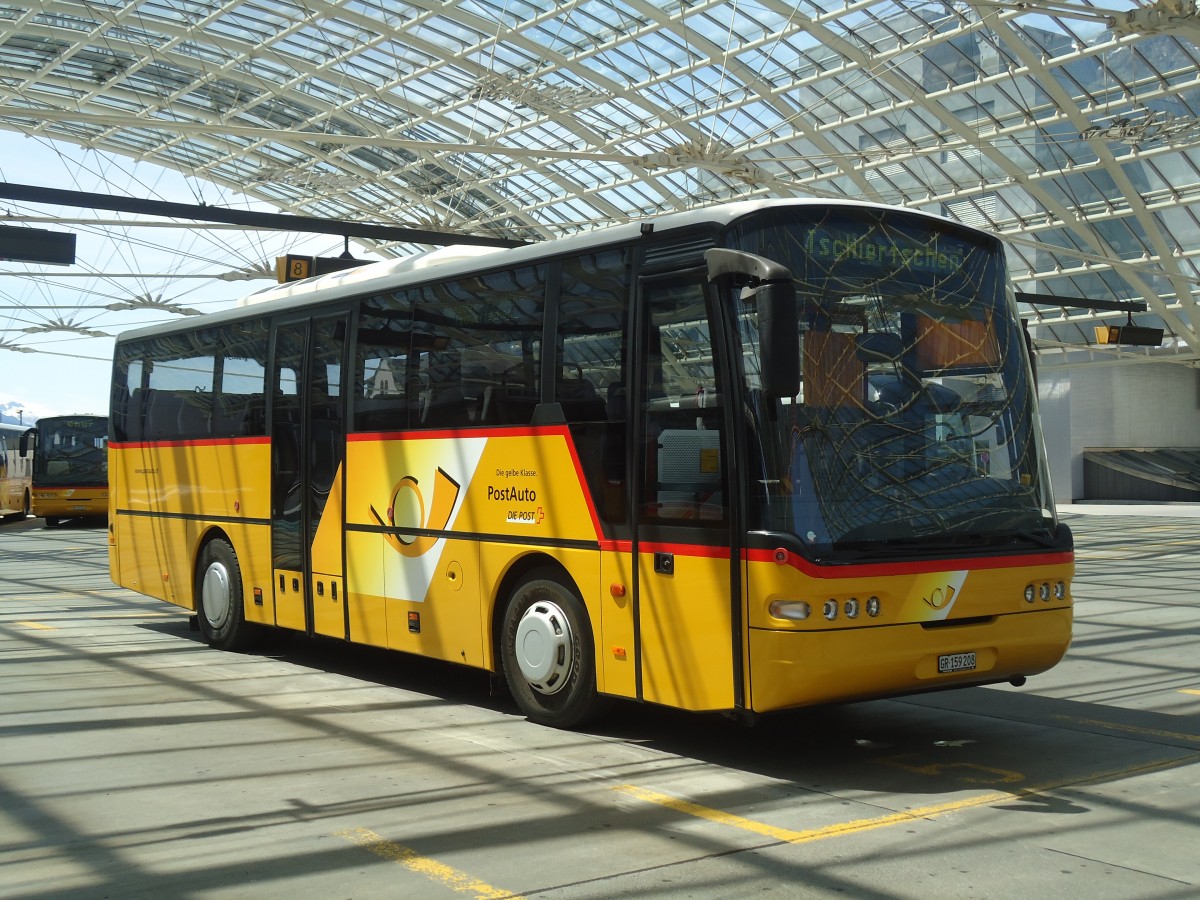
(684, 448)
(590, 362)
(480, 345)
(383, 396)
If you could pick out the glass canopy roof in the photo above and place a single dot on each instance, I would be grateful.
(1070, 129)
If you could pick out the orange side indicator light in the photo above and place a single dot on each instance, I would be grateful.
(619, 652)
(617, 590)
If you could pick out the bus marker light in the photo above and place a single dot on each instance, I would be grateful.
(619, 652)
(795, 610)
(414, 623)
(781, 555)
(617, 590)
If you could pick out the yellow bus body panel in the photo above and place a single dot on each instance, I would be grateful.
(171, 495)
(436, 523)
(616, 660)
(69, 502)
(926, 610)
(428, 592)
(793, 668)
(687, 633)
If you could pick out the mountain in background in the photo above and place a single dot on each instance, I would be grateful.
(13, 413)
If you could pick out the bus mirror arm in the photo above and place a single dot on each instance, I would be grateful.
(778, 317)
(743, 267)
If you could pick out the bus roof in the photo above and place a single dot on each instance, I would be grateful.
(456, 260)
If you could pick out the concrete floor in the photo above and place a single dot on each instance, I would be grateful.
(137, 762)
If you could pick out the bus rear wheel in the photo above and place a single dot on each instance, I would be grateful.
(219, 599)
(548, 654)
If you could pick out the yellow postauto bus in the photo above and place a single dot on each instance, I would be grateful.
(759, 456)
(17, 444)
(70, 468)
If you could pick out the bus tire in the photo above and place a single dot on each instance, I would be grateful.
(220, 607)
(548, 654)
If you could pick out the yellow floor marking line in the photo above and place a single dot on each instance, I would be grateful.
(40, 625)
(815, 834)
(1134, 729)
(422, 865)
(787, 835)
(1189, 691)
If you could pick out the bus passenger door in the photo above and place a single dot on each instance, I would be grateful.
(687, 599)
(307, 448)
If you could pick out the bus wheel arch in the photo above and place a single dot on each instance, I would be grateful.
(545, 649)
(219, 596)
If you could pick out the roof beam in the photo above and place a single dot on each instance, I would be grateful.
(244, 217)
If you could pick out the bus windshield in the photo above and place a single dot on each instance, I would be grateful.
(915, 423)
(72, 451)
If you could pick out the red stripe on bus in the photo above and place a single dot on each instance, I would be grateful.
(912, 567)
(795, 561)
(448, 433)
(584, 487)
(192, 442)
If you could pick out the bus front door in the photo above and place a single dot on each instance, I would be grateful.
(307, 448)
(687, 588)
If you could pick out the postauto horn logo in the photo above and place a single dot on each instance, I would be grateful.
(406, 510)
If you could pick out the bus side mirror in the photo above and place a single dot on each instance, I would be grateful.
(778, 340)
(26, 444)
(770, 285)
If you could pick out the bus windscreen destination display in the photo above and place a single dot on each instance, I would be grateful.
(890, 253)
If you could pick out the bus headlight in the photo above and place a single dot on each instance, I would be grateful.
(830, 610)
(1060, 591)
(793, 610)
(1030, 593)
(852, 608)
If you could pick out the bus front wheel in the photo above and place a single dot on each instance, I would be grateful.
(548, 654)
(219, 606)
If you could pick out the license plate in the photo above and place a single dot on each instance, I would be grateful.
(956, 662)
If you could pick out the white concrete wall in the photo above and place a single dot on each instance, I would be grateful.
(1054, 403)
(1150, 405)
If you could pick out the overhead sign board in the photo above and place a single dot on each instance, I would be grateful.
(36, 245)
(296, 268)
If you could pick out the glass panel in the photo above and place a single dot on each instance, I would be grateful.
(287, 449)
(72, 451)
(915, 420)
(592, 381)
(476, 350)
(680, 403)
